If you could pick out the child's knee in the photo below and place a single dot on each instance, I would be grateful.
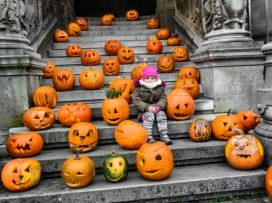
(148, 116)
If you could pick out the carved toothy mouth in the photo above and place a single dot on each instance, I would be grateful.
(82, 148)
(22, 148)
(181, 116)
(181, 58)
(20, 185)
(127, 58)
(111, 73)
(41, 126)
(243, 156)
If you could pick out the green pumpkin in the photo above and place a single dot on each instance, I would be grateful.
(115, 167)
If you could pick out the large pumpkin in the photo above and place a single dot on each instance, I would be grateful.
(166, 64)
(154, 161)
(132, 15)
(69, 114)
(180, 54)
(154, 46)
(200, 130)
(61, 36)
(90, 58)
(83, 23)
(63, 79)
(115, 167)
(21, 174)
(125, 85)
(45, 96)
(130, 135)
(73, 29)
(189, 85)
(188, 72)
(112, 46)
(249, 119)
(126, 55)
(153, 23)
(83, 137)
(91, 79)
(268, 182)
(25, 144)
(49, 70)
(73, 50)
(163, 33)
(244, 152)
(173, 41)
(111, 66)
(106, 20)
(137, 71)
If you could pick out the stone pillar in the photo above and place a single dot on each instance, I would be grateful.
(229, 61)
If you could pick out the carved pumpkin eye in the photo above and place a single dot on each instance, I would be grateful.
(249, 143)
(142, 161)
(75, 133)
(236, 144)
(159, 158)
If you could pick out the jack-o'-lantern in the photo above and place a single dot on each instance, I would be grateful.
(48, 70)
(189, 85)
(115, 167)
(154, 46)
(249, 119)
(132, 15)
(63, 79)
(73, 50)
(130, 135)
(223, 126)
(173, 41)
(61, 36)
(91, 79)
(78, 171)
(25, 144)
(180, 54)
(69, 114)
(154, 161)
(125, 55)
(111, 66)
(125, 85)
(188, 72)
(137, 71)
(90, 58)
(21, 174)
(115, 108)
(82, 137)
(244, 152)
(200, 130)
(83, 23)
(180, 105)
(45, 96)
(39, 118)
(106, 20)
(112, 16)
(73, 29)
(153, 23)
(112, 46)
(163, 33)
(268, 182)
(166, 64)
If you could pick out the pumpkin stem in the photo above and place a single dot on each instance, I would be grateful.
(239, 131)
(77, 156)
(229, 112)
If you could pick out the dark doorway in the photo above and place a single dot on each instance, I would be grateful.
(98, 8)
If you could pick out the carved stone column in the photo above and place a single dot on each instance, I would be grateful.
(229, 61)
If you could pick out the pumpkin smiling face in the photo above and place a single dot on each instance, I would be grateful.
(111, 66)
(61, 36)
(125, 55)
(188, 72)
(90, 58)
(49, 69)
(73, 29)
(153, 23)
(73, 50)
(189, 85)
(132, 15)
(180, 54)
(83, 23)
(112, 46)
(106, 20)
(166, 64)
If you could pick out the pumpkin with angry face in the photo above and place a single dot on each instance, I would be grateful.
(125, 55)
(111, 66)
(112, 46)
(180, 54)
(61, 36)
(154, 46)
(73, 29)
(63, 79)
(166, 64)
(83, 23)
(49, 70)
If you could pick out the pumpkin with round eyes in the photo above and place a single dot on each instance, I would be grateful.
(132, 15)
(166, 64)
(180, 105)
(223, 126)
(21, 174)
(154, 161)
(163, 33)
(61, 36)
(153, 23)
(200, 130)
(45, 96)
(82, 137)
(83, 23)
(24, 144)
(106, 20)
(189, 85)
(189, 72)
(249, 119)
(112, 46)
(73, 50)
(63, 79)
(111, 66)
(137, 71)
(73, 29)
(130, 135)
(173, 41)
(78, 171)
(125, 55)
(180, 54)
(48, 70)
(154, 46)
(39, 118)
(125, 86)
(244, 152)
(91, 79)
(90, 58)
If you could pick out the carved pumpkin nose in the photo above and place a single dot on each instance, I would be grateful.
(21, 177)
(241, 147)
(82, 138)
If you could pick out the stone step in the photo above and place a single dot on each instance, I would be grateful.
(118, 22)
(186, 183)
(117, 32)
(116, 27)
(118, 19)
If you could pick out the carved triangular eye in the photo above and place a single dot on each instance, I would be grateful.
(36, 117)
(225, 124)
(177, 107)
(46, 115)
(75, 133)
(28, 169)
(90, 133)
(186, 105)
(245, 117)
(115, 110)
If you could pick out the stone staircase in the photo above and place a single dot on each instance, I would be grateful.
(201, 171)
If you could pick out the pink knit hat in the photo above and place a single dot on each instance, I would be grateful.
(149, 71)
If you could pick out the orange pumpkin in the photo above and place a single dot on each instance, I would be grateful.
(45, 96)
(189, 85)
(111, 66)
(249, 119)
(137, 71)
(132, 15)
(125, 85)
(166, 64)
(61, 36)
(154, 46)
(91, 79)
(73, 29)
(180, 54)
(112, 46)
(106, 20)
(189, 72)
(125, 55)
(268, 182)
(173, 41)
(48, 70)
(112, 16)
(153, 23)
(90, 58)
(200, 130)
(63, 79)
(130, 135)
(83, 23)
(163, 33)
(73, 50)
(25, 144)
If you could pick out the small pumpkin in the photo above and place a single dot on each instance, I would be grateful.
(106, 20)
(61, 36)
(112, 46)
(125, 86)
(137, 71)
(166, 64)
(115, 167)
(45, 96)
(90, 58)
(268, 182)
(63, 79)
(83, 23)
(91, 79)
(73, 50)
(173, 41)
(73, 29)
(49, 70)
(189, 85)
(153, 23)
(154, 46)
(163, 33)
(112, 16)
(188, 72)
(200, 130)
(132, 15)
(111, 66)
(125, 55)
(249, 119)
(180, 54)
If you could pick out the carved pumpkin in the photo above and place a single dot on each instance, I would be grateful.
(45, 96)
(153, 23)
(188, 72)
(106, 20)
(115, 167)
(223, 126)
(21, 174)
(61, 36)
(48, 70)
(111, 66)
(154, 46)
(180, 54)
(78, 171)
(90, 58)
(125, 55)
(24, 144)
(83, 137)
(91, 79)
(39, 118)
(180, 105)
(73, 50)
(63, 79)
(112, 16)
(154, 161)
(132, 15)
(163, 33)
(130, 135)
(166, 64)
(83, 23)
(125, 85)
(112, 46)
(200, 130)
(173, 41)
(137, 71)
(268, 182)
(69, 114)
(115, 108)
(244, 152)
(189, 85)
(73, 29)
(249, 119)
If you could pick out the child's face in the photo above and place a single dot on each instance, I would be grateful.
(150, 79)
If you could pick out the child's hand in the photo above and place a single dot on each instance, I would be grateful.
(153, 109)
